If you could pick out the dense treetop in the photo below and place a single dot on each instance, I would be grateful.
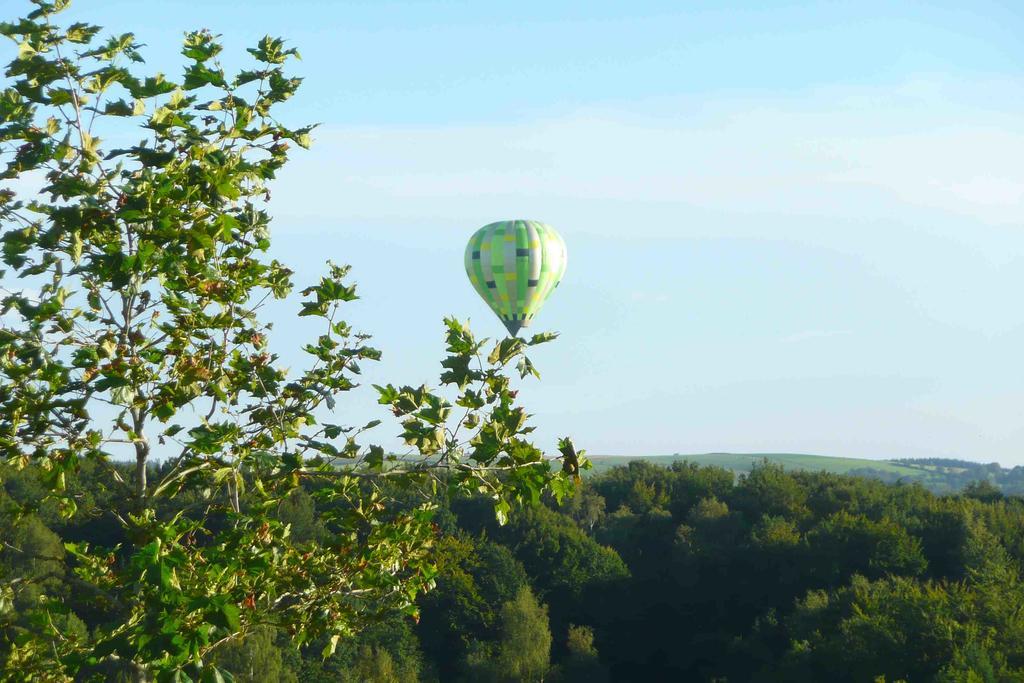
(650, 573)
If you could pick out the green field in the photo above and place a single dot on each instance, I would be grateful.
(743, 462)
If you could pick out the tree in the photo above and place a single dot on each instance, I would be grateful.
(299, 512)
(376, 665)
(894, 627)
(32, 556)
(32, 577)
(255, 659)
(387, 647)
(769, 490)
(524, 650)
(557, 555)
(587, 508)
(138, 332)
(475, 578)
(983, 490)
(846, 544)
(581, 664)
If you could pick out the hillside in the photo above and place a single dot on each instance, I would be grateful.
(938, 475)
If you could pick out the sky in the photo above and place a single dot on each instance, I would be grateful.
(792, 227)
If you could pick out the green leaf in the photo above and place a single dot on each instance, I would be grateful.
(151, 87)
(199, 75)
(505, 350)
(105, 648)
(118, 108)
(164, 412)
(501, 511)
(76, 247)
(123, 395)
(332, 645)
(231, 616)
(214, 674)
(542, 338)
(85, 357)
(375, 458)
(81, 33)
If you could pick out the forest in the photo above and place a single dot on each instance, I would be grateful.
(647, 573)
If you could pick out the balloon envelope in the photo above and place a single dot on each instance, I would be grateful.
(514, 266)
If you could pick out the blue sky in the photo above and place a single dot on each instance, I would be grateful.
(791, 226)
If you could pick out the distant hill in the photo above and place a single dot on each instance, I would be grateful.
(743, 462)
(937, 474)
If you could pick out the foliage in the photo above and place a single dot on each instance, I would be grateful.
(783, 576)
(376, 665)
(136, 330)
(254, 659)
(806, 576)
(523, 650)
(475, 577)
(581, 664)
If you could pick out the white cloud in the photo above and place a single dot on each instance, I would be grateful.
(846, 153)
(990, 191)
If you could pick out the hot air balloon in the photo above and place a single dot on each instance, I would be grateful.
(514, 266)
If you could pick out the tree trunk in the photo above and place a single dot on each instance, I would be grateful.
(141, 457)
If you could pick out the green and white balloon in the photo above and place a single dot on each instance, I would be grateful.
(514, 266)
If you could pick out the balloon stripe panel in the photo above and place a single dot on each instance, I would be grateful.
(508, 244)
(522, 267)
